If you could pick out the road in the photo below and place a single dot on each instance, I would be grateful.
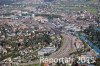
(67, 47)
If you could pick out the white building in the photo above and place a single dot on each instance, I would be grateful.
(46, 50)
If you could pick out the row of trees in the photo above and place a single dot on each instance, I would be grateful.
(93, 35)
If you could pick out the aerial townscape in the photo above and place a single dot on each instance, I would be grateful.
(49, 32)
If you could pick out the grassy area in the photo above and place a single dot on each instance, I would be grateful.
(87, 8)
(94, 0)
(80, 6)
(90, 9)
(31, 65)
